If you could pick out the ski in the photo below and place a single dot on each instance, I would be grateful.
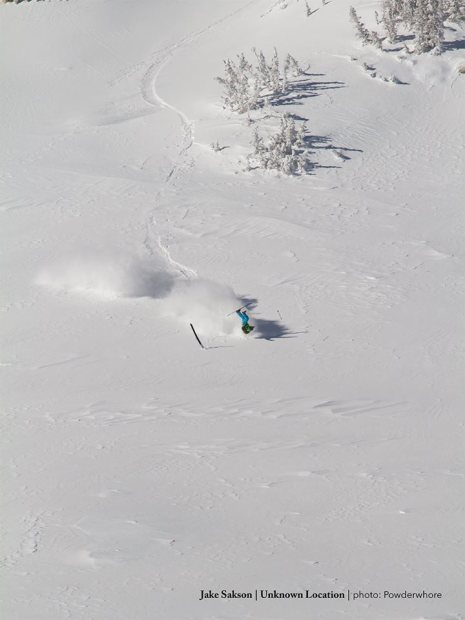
(197, 338)
(245, 306)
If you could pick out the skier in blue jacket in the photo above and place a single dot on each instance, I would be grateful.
(244, 317)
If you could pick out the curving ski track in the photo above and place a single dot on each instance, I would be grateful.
(151, 95)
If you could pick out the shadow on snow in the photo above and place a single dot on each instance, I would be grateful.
(302, 89)
(267, 329)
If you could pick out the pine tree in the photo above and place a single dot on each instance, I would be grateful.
(428, 25)
(424, 18)
(292, 67)
(407, 9)
(391, 16)
(366, 36)
(247, 87)
(276, 85)
(284, 151)
(454, 10)
(269, 75)
(241, 89)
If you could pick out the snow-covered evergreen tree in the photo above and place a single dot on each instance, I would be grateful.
(366, 36)
(392, 11)
(270, 76)
(308, 9)
(454, 10)
(241, 87)
(424, 18)
(292, 67)
(406, 11)
(247, 87)
(428, 25)
(284, 151)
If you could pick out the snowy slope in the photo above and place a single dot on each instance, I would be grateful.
(323, 452)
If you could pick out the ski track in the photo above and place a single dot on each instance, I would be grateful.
(151, 95)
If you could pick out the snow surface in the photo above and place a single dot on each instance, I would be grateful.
(322, 452)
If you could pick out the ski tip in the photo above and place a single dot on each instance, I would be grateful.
(244, 307)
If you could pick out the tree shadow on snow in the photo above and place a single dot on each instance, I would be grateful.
(323, 142)
(304, 88)
(449, 46)
(315, 143)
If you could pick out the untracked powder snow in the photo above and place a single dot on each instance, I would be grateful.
(310, 469)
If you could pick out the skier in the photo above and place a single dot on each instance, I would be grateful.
(242, 314)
